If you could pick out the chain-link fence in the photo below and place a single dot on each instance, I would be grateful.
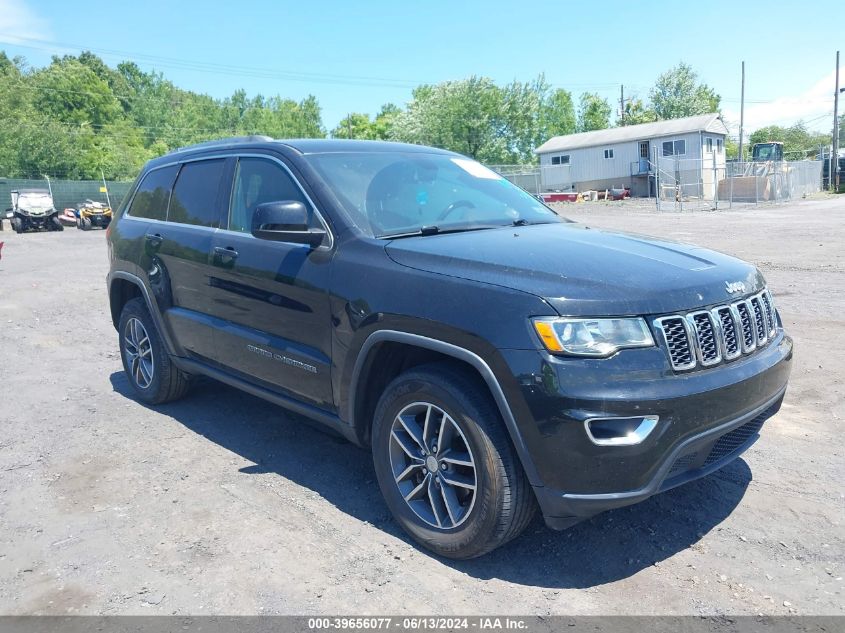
(525, 176)
(66, 193)
(689, 183)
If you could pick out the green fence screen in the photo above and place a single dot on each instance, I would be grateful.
(66, 193)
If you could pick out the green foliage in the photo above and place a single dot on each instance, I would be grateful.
(798, 142)
(558, 116)
(677, 93)
(78, 116)
(637, 112)
(593, 113)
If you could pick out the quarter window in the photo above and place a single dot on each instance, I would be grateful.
(258, 181)
(608, 153)
(194, 199)
(153, 194)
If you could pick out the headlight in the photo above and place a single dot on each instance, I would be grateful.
(592, 337)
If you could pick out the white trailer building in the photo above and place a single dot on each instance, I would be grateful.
(627, 156)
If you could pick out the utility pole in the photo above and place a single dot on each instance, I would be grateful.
(834, 174)
(622, 104)
(105, 188)
(742, 112)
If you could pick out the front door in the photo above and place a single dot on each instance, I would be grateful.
(271, 297)
(644, 152)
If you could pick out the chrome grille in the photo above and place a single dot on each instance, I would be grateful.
(768, 308)
(677, 337)
(760, 328)
(730, 332)
(748, 337)
(724, 333)
(705, 334)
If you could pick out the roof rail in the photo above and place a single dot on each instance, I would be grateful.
(233, 140)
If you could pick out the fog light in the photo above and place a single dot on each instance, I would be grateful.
(620, 431)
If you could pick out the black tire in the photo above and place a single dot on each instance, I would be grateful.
(17, 225)
(504, 503)
(55, 224)
(166, 383)
(86, 224)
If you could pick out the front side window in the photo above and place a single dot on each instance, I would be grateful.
(399, 193)
(258, 180)
(153, 194)
(194, 199)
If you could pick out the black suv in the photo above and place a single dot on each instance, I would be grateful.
(493, 355)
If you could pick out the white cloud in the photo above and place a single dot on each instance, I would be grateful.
(20, 25)
(814, 106)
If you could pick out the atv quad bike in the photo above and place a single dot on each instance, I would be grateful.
(90, 214)
(33, 210)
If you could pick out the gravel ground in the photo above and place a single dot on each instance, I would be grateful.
(224, 504)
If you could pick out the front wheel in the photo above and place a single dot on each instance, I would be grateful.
(148, 367)
(54, 224)
(17, 224)
(445, 464)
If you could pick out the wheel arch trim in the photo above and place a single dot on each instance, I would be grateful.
(459, 353)
(151, 306)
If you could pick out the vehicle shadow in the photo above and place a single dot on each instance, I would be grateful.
(609, 547)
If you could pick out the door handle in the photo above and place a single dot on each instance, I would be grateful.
(154, 240)
(225, 255)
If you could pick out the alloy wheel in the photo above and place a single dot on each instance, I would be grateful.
(433, 465)
(139, 352)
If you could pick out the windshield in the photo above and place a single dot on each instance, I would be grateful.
(395, 193)
(37, 202)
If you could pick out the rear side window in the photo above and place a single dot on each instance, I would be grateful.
(153, 194)
(194, 199)
(258, 181)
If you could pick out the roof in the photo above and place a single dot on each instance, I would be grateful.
(701, 123)
(313, 145)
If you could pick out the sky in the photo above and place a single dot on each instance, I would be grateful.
(356, 56)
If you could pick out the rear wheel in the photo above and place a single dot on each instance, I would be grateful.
(445, 463)
(148, 367)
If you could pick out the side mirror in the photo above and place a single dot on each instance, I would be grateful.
(285, 221)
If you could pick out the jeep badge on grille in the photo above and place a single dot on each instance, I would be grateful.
(734, 287)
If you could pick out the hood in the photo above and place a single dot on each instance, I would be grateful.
(582, 271)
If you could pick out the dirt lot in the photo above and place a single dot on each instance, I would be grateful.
(222, 503)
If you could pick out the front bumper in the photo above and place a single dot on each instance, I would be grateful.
(706, 419)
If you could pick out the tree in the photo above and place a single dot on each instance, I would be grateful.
(383, 123)
(593, 113)
(677, 93)
(463, 116)
(637, 112)
(798, 141)
(558, 116)
(70, 92)
(355, 125)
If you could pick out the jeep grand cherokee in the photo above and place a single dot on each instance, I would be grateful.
(494, 356)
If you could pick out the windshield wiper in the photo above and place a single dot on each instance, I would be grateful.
(433, 229)
(524, 222)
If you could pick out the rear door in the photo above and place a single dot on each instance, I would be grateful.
(271, 297)
(182, 245)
